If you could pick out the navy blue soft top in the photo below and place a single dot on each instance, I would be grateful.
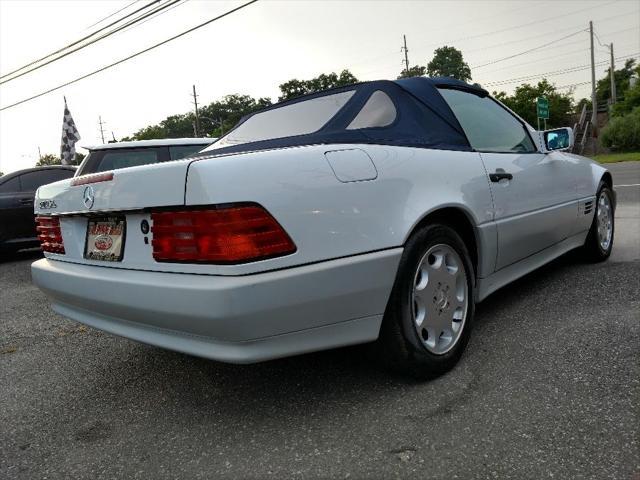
(423, 118)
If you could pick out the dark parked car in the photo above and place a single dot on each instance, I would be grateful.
(113, 156)
(17, 191)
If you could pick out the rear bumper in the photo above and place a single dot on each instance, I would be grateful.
(239, 319)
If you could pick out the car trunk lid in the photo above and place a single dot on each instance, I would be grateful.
(127, 195)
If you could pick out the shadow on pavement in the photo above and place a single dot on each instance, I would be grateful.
(287, 384)
(30, 254)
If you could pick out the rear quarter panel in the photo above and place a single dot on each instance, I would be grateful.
(327, 218)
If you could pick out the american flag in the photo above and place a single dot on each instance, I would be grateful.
(70, 136)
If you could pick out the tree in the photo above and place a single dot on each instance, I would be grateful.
(581, 103)
(215, 118)
(622, 76)
(448, 62)
(415, 71)
(623, 133)
(1, 174)
(51, 159)
(78, 158)
(295, 88)
(631, 100)
(523, 102)
(221, 116)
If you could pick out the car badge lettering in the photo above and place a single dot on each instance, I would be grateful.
(103, 242)
(47, 204)
(88, 197)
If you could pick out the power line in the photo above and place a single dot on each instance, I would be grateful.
(541, 35)
(540, 61)
(431, 31)
(501, 44)
(529, 50)
(211, 20)
(104, 35)
(577, 68)
(78, 41)
(522, 25)
(112, 14)
(542, 75)
(572, 85)
(157, 14)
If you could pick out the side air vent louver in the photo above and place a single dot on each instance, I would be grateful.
(588, 207)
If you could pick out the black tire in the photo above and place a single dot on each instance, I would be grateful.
(592, 249)
(399, 346)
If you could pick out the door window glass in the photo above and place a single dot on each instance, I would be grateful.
(115, 159)
(180, 151)
(10, 186)
(488, 126)
(32, 180)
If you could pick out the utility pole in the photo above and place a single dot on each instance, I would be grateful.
(406, 54)
(101, 123)
(594, 101)
(196, 125)
(612, 74)
(39, 153)
(113, 136)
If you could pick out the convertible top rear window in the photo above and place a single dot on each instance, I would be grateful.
(408, 112)
(293, 119)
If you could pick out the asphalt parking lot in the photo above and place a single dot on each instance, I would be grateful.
(549, 387)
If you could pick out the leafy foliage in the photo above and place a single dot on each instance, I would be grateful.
(603, 88)
(448, 62)
(622, 76)
(415, 71)
(523, 102)
(221, 116)
(295, 88)
(623, 133)
(51, 159)
(631, 100)
(215, 119)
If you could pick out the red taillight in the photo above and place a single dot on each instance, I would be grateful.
(49, 234)
(223, 235)
(93, 178)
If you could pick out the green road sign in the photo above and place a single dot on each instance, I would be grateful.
(543, 107)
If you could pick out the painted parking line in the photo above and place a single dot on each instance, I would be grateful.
(629, 185)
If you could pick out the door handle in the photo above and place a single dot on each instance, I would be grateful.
(26, 201)
(496, 177)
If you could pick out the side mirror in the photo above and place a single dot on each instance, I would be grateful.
(558, 139)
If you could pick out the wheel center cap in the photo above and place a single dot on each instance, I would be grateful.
(441, 297)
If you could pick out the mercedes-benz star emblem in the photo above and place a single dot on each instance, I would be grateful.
(88, 197)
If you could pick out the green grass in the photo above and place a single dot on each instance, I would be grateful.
(617, 157)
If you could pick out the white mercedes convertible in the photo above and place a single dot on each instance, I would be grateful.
(378, 212)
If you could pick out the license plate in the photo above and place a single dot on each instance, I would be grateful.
(105, 239)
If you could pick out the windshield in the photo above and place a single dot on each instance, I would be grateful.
(299, 118)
